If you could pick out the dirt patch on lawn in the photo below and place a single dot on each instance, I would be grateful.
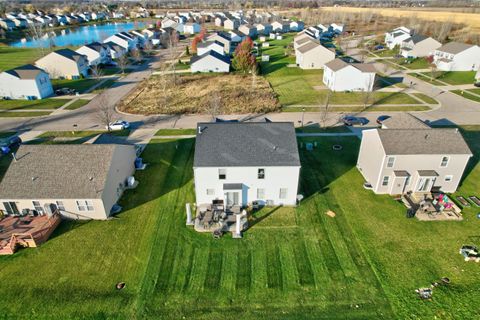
(202, 93)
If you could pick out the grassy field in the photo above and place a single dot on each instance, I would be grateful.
(73, 137)
(293, 263)
(80, 85)
(295, 86)
(13, 57)
(40, 104)
(419, 63)
(425, 98)
(358, 109)
(455, 77)
(175, 132)
(28, 114)
(77, 104)
(426, 77)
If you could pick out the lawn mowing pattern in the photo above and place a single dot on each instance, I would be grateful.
(11, 57)
(77, 104)
(175, 132)
(425, 98)
(79, 85)
(455, 77)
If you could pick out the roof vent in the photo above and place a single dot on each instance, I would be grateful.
(275, 147)
(34, 178)
(426, 136)
(200, 130)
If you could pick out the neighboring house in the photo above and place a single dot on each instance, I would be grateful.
(64, 63)
(397, 161)
(219, 21)
(264, 28)
(419, 46)
(125, 42)
(231, 24)
(223, 38)
(339, 75)
(312, 55)
(210, 61)
(115, 51)
(20, 22)
(301, 39)
(191, 28)
(7, 24)
(236, 36)
(204, 47)
(80, 181)
(167, 22)
(97, 53)
(477, 75)
(25, 82)
(397, 36)
(314, 32)
(456, 56)
(296, 26)
(244, 162)
(281, 26)
(337, 28)
(248, 30)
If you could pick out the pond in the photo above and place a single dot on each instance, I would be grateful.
(78, 36)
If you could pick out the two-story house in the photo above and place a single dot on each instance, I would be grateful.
(312, 55)
(456, 56)
(204, 47)
(244, 162)
(397, 36)
(339, 75)
(97, 53)
(64, 63)
(25, 82)
(397, 161)
(419, 46)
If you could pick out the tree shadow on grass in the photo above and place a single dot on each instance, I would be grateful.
(255, 220)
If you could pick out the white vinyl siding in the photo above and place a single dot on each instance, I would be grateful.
(283, 193)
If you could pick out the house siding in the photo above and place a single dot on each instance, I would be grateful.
(15, 88)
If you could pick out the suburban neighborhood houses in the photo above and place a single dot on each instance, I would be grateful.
(239, 160)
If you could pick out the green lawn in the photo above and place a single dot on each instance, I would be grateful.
(175, 132)
(466, 95)
(105, 85)
(39, 104)
(359, 109)
(426, 77)
(24, 114)
(80, 85)
(292, 264)
(11, 57)
(77, 104)
(425, 98)
(386, 53)
(419, 63)
(455, 77)
(73, 137)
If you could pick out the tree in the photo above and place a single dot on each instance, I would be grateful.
(368, 93)
(122, 62)
(195, 42)
(432, 65)
(254, 72)
(36, 31)
(243, 59)
(96, 71)
(172, 43)
(324, 112)
(104, 113)
(215, 103)
(187, 51)
(137, 55)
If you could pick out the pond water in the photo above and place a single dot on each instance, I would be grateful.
(78, 36)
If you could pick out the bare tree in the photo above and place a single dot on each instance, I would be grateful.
(368, 93)
(36, 31)
(96, 71)
(215, 103)
(172, 44)
(136, 55)
(104, 113)
(254, 72)
(162, 98)
(122, 62)
(324, 112)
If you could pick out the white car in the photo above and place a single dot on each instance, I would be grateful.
(118, 125)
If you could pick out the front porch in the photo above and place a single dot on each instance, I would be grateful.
(431, 206)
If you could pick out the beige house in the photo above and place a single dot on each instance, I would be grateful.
(64, 63)
(312, 55)
(80, 181)
(397, 161)
(419, 46)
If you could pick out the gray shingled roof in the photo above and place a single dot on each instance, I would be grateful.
(70, 54)
(454, 47)
(212, 53)
(246, 144)
(58, 172)
(339, 64)
(310, 45)
(208, 43)
(423, 141)
(404, 121)
(416, 38)
(27, 71)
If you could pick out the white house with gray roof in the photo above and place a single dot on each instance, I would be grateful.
(244, 162)
(456, 56)
(419, 46)
(204, 47)
(397, 36)
(312, 55)
(397, 161)
(81, 181)
(64, 63)
(97, 53)
(210, 61)
(339, 75)
(25, 82)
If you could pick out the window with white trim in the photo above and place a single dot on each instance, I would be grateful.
(38, 207)
(261, 173)
(283, 193)
(60, 205)
(385, 181)
(448, 178)
(210, 192)
(222, 174)
(390, 162)
(85, 205)
(444, 162)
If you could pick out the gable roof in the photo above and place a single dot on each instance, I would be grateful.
(423, 141)
(206, 44)
(212, 53)
(401, 120)
(70, 54)
(455, 47)
(26, 72)
(227, 144)
(339, 64)
(58, 172)
(310, 45)
(97, 46)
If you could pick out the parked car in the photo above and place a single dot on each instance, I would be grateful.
(118, 125)
(6, 145)
(477, 84)
(65, 91)
(379, 47)
(351, 120)
(382, 118)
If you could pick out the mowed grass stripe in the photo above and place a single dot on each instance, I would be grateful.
(274, 266)
(259, 268)
(244, 268)
(229, 267)
(290, 275)
(214, 269)
(302, 263)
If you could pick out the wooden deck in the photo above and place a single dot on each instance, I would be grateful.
(27, 232)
